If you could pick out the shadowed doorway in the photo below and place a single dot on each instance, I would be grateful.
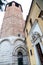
(40, 53)
(20, 58)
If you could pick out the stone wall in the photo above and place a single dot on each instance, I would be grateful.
(9, 48)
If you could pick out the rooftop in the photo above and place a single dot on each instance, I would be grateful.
(16, 4)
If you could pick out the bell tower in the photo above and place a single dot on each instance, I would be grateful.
(13, 23)
(12, 43)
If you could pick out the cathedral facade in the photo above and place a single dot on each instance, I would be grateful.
(13, 49)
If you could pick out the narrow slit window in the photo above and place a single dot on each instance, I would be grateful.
(31, 52)
(31, 22)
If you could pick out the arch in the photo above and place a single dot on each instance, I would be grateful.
(19, 40)
(20, 47)
(24, 55)
(5, 48)
(3, 40)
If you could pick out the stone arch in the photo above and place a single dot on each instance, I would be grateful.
(23, 51)
(19, 40)
(5, 50)
(3, 40)
(5, 43)
(20, 47)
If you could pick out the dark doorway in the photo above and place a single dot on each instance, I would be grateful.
(20, 58)
(40, 53)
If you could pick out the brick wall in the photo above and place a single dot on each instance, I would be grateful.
(13, 23)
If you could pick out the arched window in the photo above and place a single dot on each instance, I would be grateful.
(20, 58)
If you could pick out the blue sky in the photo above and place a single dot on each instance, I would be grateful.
(25, 6)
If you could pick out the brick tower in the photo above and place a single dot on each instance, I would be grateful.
(13, 23)
(13, 50)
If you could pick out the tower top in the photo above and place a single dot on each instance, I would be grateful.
(13, 3)
(13, 22)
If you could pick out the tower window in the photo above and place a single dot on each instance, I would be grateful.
(10, 4)
(31, 22)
